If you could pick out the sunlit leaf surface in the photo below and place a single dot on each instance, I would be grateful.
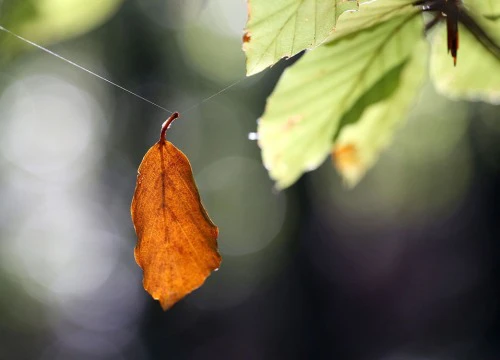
(370, 13)
(303, 114)
(177, 241)
(488, 8)
(362, 138)
(477, 74)
(282, 28)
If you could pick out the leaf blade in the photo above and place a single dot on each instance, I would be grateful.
(359, 143)
(283, 28)
(465, 81)
(322, 86)
(488, 8)
(177, 241)
(370, 13)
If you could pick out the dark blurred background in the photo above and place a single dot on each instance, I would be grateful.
(405, 266)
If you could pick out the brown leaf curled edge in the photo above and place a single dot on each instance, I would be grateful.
(177, 241)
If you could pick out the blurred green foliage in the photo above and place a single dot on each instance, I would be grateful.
(49, 21)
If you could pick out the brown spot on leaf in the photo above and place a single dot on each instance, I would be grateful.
(246, 37)
(346, 158)
(246, 40)
(292, 121)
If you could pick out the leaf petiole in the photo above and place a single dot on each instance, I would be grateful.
(166, 125)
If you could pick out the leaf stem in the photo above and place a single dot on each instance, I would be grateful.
(166, 125)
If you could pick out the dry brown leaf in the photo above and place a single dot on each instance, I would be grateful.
(177, 241)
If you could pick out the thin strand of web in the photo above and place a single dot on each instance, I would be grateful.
(82, 68)
(213, 95)
(113, 83)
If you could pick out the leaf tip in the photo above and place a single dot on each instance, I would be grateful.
(347, 161)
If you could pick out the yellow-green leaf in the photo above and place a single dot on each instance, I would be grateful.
(488, 8)
(477, 74)
(303, 113)
(282, 28)
(360, 142)
(369, 14)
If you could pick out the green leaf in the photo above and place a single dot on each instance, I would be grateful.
(50, 21)
(362, 137)
(488, 8)
(371, 13)
(477, 74)
(303, 113)
(283, 28)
